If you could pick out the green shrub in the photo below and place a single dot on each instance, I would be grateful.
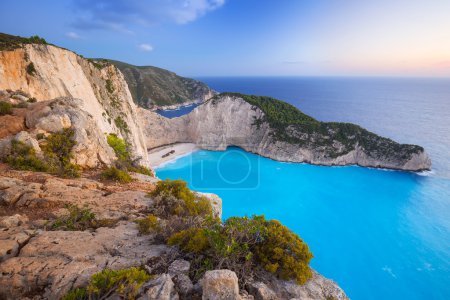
(141, 170)
(148, 224)
(113, 173)
(23, 157)
(32, 100)
(242, 244)
(119, 146)
(78, 218)
(35, 39)
(194, 240)
(10, 42)
(283, 253)
(31, 70)
(76, 294)
(124, 162)
(168, 191)
(5, 108)
(121, 124)
(109, 86)
(56, 155)
(126, 283)
(57, 151)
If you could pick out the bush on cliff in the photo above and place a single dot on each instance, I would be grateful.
(124, 161)
(23, 157)
(173, 197)
(77, 218)
(125, 283)
(5, 108)
(57, 151)
(31, 70)
(80, 219)
(56, 155)
(243, 244)
(115, 174)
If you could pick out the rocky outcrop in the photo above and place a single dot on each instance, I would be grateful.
(220, 285)
(153, 87)
(104, 102)
(232, 121)
(38, 262)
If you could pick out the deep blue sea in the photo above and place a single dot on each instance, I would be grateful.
(380, 234)
(173, 113)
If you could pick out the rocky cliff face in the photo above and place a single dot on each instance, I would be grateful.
(46, 72)
(152, 86)
(230, 120)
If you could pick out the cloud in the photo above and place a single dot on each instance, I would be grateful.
(119, 15)
(73, 35)
(146, 47)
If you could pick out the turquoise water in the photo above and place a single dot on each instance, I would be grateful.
(379, 234)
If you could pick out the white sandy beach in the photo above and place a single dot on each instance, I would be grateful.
(155, 156)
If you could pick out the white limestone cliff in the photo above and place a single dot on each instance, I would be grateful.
(101, 89)
(230, 121)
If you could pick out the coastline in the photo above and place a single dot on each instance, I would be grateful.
(155, 155)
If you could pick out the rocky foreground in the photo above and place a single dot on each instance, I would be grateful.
(40, 262)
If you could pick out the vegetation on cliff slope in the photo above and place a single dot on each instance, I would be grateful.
(154, 86)
(247, 246)
(291, 125)
(56, 155)
(124, 163)
(5, 108)
(11, 42)
(124, 283)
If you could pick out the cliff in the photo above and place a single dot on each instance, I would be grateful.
(94, 93)
(152, 86)
(277, 130)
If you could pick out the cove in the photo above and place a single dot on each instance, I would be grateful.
(379, 234)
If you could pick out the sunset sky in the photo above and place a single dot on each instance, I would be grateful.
(248, 37)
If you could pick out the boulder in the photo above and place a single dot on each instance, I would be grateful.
(161, 288)
(220, 285)
(261, 291)
(179, 266)
(183, 285)
(28, 140)
(54, 123)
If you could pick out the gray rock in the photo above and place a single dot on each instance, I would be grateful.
(161, 288)
(183, 285)
(54, 123)
(179, 266)
(220, 285)
(28, 140)
(262, 292)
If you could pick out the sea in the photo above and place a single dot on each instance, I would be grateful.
(380, 234)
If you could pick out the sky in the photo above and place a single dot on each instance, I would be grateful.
(247, 37)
